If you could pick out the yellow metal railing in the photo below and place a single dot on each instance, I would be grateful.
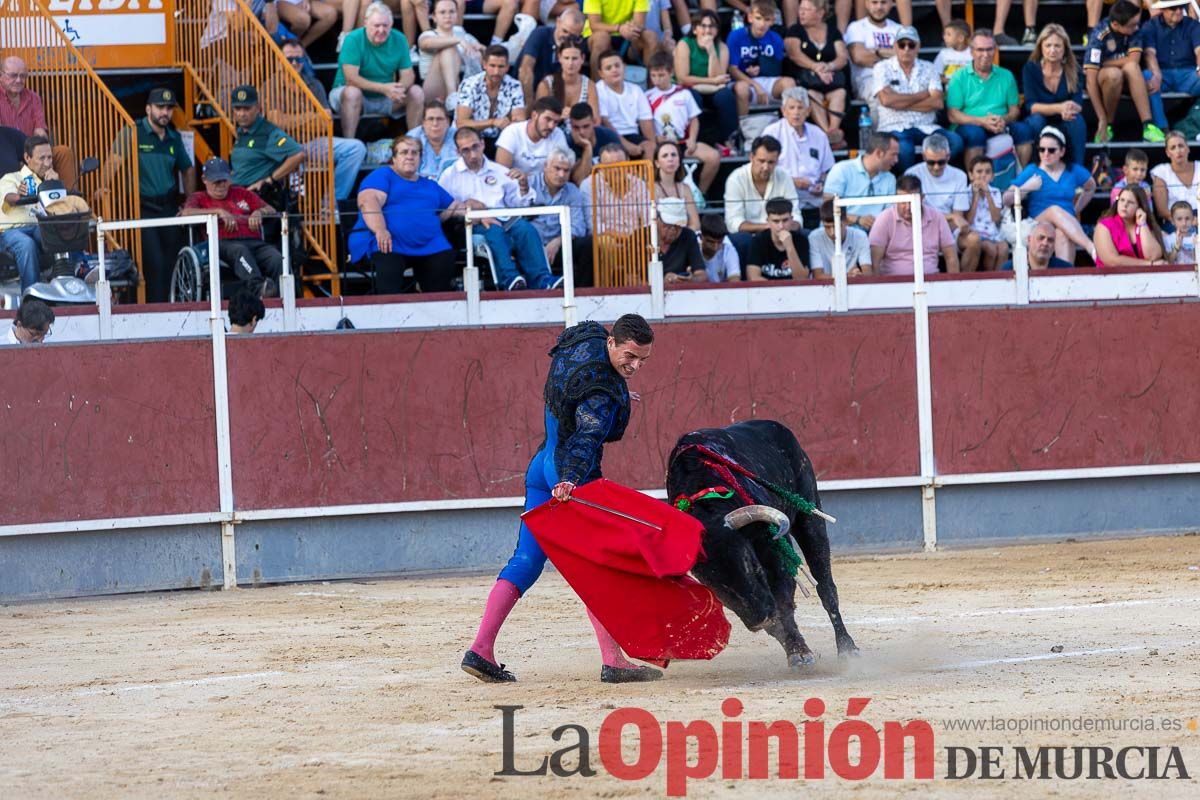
(81, 113)
(220, 45)
(622, 213)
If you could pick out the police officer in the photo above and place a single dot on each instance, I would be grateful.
(263, 155)
(162, 157)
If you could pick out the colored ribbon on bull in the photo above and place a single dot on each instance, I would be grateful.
(789, 556)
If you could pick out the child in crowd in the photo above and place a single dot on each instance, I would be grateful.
(955, 54)
(821, 246)
(720, 256)
(756, 59)
(1180, 246)
(1137, 165)
(624, 108)
(984, 213)
(677, 117)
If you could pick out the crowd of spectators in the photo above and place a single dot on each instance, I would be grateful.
(517, 123)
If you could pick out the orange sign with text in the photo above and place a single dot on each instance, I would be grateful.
(118, 33)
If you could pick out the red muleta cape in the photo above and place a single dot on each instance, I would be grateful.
(632, 576)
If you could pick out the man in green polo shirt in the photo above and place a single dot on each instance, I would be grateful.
(375, 74)
(982, 101)
(162, 158)
(263, 155)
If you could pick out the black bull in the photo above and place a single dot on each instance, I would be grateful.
(743, 567)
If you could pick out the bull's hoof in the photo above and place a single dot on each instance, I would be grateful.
(805, 658)
(847, 653)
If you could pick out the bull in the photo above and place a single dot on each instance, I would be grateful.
(744, 564)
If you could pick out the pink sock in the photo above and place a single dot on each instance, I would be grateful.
(610, 651)
(500, 602)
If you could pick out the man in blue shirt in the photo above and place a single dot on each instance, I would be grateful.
(551, 186)
(1171, 49)
(1112, 62)
(756, 59)
(869, 175)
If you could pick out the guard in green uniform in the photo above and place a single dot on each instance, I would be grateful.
(162, 158)
(263, 156)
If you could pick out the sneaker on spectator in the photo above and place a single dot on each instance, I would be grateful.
(1105, 135)
(1004, 40)
(558, 282)
(517, 284)
(1030, 36)
(1153, 133)
(525, 25)
(269, 288)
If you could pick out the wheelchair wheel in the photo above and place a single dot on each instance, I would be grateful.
(187, 279)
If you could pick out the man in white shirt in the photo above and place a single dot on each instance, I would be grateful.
(750, 186)
(909, 94)
(946, 188)
(821, 245)
(481, 183)
(806, 154)
(624, 108)
(721, 262)
(526, 146)
(870, 40)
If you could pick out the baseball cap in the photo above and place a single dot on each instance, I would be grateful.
(216, 169)
(908, 32)
(162, 97)
(245, 95)
(672, 211)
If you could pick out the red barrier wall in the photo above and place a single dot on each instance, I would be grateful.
(1054, 388)
(106, 430)
(375, 417)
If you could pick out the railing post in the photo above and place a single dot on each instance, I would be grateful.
(924, 387)
(1020, 255)
(216, 324)
(570, 312)
(658, 302)
(471, 276)
(841, 284)
(103, 292)
(287, 281)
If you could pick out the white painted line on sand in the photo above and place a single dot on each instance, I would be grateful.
(990, 662)
(998, 612)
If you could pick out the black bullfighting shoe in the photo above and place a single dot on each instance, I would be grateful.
(628, 674)
(486, 671)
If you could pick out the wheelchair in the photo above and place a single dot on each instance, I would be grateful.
(189, 277)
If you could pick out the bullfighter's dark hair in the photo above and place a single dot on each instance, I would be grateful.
(632, 326)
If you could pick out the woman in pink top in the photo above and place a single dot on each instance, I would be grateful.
(1127, 235)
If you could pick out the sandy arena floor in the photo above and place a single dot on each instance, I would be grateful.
(353, 689)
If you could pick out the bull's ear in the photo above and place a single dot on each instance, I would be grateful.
(741, 517)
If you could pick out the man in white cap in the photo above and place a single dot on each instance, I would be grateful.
(678, 247)
(909, 93)
(1171, 55)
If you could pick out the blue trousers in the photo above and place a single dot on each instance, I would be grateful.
(525, 565)
(24, 244)
(1075, 129)
(521, 237)
(1173, 80)
(975, 136)
(910, 143)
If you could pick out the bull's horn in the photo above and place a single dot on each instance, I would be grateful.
(741, 517)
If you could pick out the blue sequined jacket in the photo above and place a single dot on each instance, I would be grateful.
(588, 398)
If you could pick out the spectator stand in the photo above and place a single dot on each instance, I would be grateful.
(220, 46)
(81, 112)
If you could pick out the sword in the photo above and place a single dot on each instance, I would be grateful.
(614, 512)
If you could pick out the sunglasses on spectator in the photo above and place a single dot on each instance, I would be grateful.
(937, 162)
(1048, 149)
(906, 44)
(295, 59)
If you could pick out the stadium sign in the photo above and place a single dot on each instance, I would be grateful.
(116, 33)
